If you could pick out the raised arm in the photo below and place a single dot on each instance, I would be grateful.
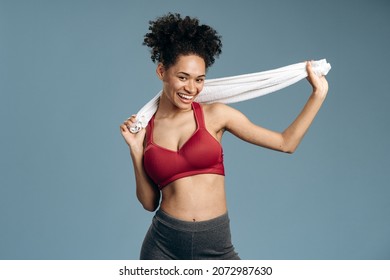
(287, 141)
(147, 192)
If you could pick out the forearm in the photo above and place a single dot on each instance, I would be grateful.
(147, 193)
(294, 134)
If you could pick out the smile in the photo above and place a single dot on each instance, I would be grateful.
(186, 97)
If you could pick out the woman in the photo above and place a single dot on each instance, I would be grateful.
(179, 156)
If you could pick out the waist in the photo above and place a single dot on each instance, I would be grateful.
(184, 225)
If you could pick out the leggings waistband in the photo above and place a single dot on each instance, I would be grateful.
(178, 224)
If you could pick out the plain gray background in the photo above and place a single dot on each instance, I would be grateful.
(72, 71)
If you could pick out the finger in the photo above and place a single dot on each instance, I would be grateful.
(309, 66)
(131, 119)
(130, 122)
(310, 71)
(124, 128)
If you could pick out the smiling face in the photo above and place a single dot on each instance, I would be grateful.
(183, 81)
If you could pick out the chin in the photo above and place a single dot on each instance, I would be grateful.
(184, 106)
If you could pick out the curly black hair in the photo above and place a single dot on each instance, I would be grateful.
(171, 36)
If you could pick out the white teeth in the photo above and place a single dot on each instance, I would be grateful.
(185, 96)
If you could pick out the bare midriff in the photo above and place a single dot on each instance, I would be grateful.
(195, 198)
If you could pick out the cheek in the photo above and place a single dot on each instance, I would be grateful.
(171, 85)
(200, 87)
(176, 86)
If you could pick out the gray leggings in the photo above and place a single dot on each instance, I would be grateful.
(171, 239)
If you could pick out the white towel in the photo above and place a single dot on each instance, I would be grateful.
(239, 88)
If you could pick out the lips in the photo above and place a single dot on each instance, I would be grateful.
(185, 97)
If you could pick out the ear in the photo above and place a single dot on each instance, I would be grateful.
(160, 70)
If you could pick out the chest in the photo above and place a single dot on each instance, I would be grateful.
(173, 134)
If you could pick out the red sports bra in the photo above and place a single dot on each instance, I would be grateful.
(200, 154)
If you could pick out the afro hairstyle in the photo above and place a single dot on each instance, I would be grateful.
(171, 36)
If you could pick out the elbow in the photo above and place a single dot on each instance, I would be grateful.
(150, 201)
(288, 149)
(149, 208)
(288, 146)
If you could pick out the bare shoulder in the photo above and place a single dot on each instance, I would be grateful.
(217, 110)
(219, 115)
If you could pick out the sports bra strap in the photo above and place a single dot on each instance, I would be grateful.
(199, 114)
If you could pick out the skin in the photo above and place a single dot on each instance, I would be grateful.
(202, 197)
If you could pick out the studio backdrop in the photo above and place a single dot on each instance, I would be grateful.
(72, 71)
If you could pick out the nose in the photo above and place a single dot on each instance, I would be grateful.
(191, 87)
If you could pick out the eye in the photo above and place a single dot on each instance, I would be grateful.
(182, 78)
(200, 80)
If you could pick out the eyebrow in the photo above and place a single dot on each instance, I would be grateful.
(184, 73)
